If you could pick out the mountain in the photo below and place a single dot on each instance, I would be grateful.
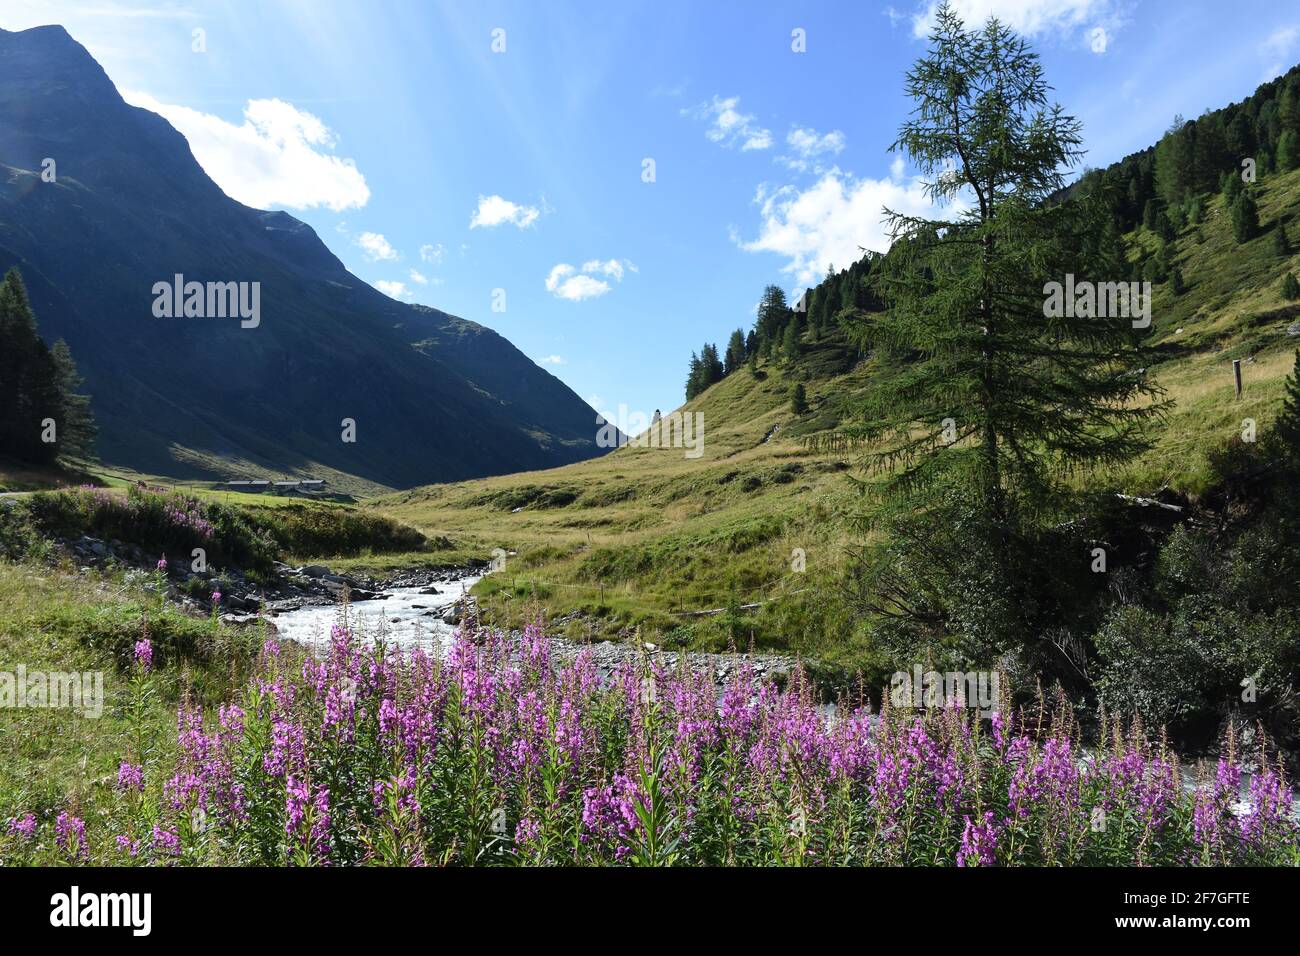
(433, 397)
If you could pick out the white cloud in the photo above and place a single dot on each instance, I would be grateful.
(431, 253)
(395, 290)
(832, 221)
(807, 142)
(610, 267)
(493, 211)
(1098, 39)
(807, 145)
(564, 283)
(277, 157)
(418, 277)
(729, 126)
(567, 282)
(376, 247)
(552, 360)
(1028, 17)
(1276, 49)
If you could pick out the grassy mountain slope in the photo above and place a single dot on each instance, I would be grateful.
(642, 535)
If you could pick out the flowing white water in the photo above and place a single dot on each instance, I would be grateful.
(405, 617)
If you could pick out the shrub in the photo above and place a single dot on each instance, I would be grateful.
(155, 521)
(316, 531)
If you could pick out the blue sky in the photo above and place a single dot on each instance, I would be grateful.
(442, 169)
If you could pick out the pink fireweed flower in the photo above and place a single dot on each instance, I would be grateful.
(287, 753)
(165, 842)
(24, 826)
(70, 835)
(978, 842)
(1269, 804)
(144, 654)
(162, 564)
(216, 597)
(130, 776)
(527, 833)
(127, 845)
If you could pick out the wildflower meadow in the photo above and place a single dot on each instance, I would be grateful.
(498, 754)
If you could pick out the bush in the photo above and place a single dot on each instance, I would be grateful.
(155, 521)
(1188, 669)
(316, 531)
(1226, 615)
(19, 538)
(1146, 670)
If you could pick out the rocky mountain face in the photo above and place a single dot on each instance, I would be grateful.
(125, 207)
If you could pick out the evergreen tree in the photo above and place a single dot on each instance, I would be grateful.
(798, 399)
(77, 428)
(1245, 216)
(1006, 396)
(1211, 152)
(1281, 241)
(1290, 288)
(817, 309)
(773, 313)
(1232, 188)
(693, 378)
(711, 365)
(1165, 228)
(790, 340)
(834, 297)
(38, 386)
(1151, 214)
(735, 355)
(1286, 431)
(1288, 151)
(1241, 137)
(1174, 162)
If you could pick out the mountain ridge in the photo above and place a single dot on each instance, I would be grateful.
(203, 397)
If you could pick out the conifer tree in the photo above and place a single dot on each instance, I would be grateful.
(693, 377)
(773, 313)
(1290, 288)
(1176, 281)
(735, 354)
(798, 399)
(38, 386)
(78, 425)
(1288, 150)
(1174, 162)
(790, 340)
(1232, 188)
(1245, 216)
(1003, 399)
(1286, 431)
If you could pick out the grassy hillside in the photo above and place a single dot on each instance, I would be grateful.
(643, 537)
(56, 620)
